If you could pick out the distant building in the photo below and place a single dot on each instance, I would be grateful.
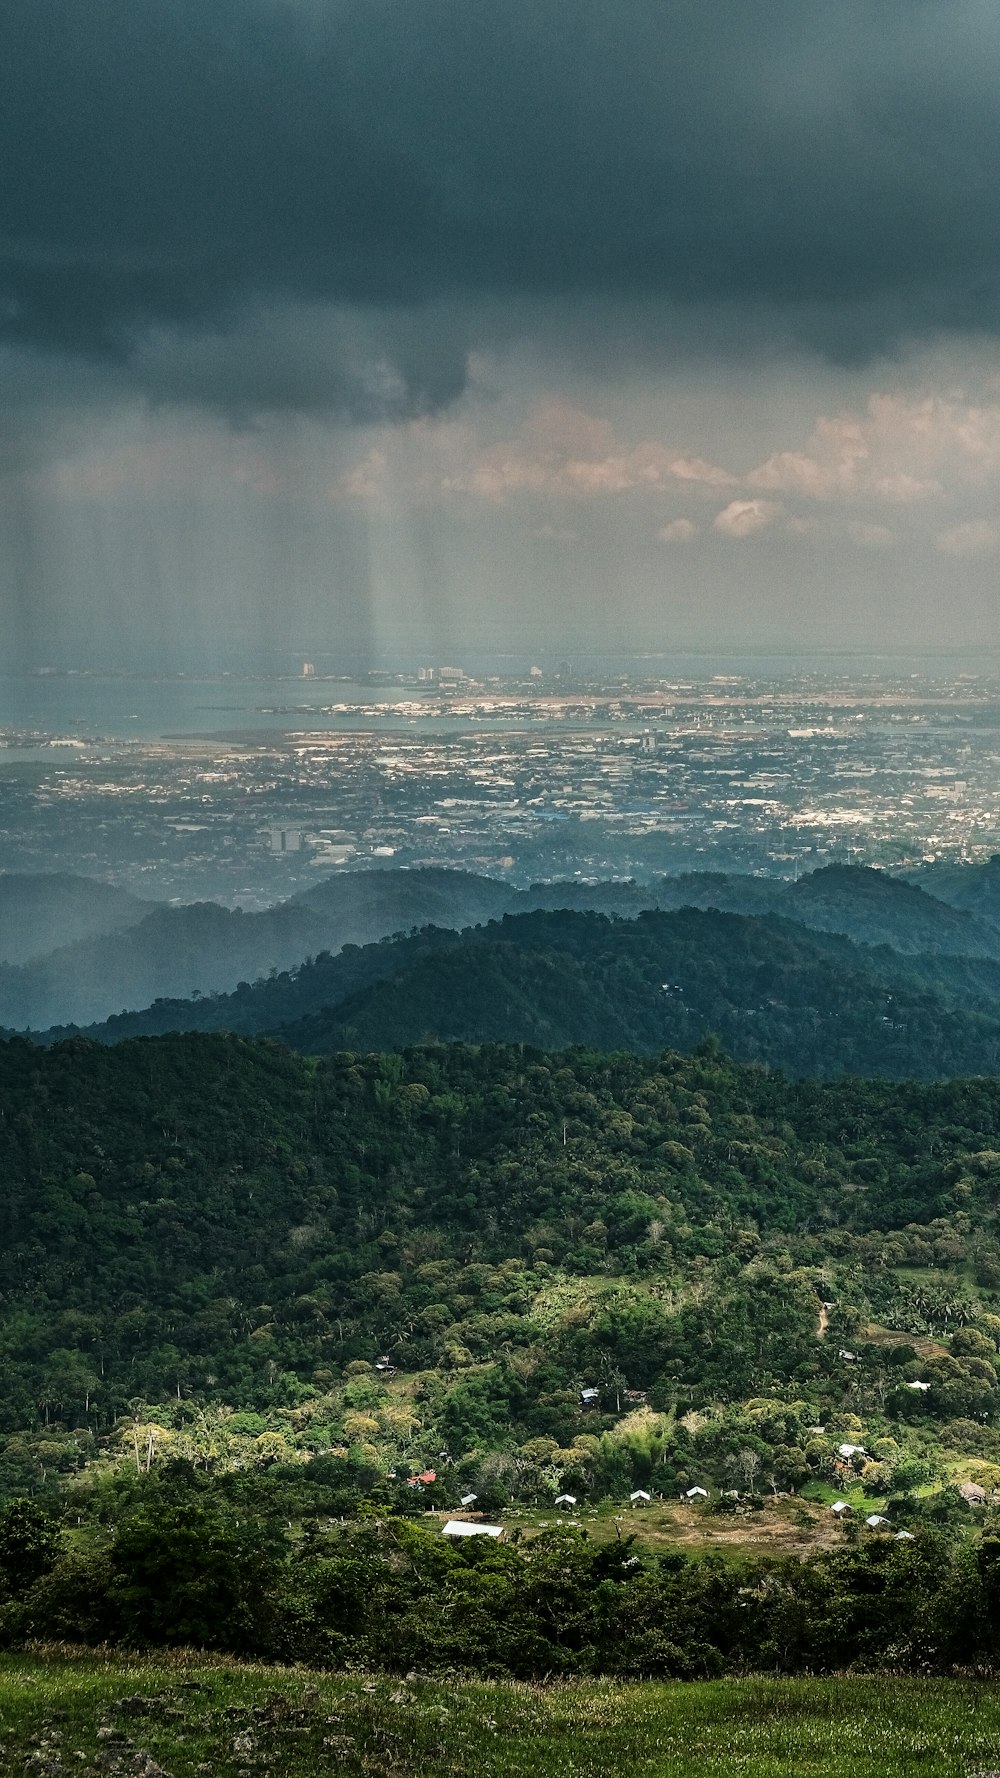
(566, 1501)
(308, 670)
(462, 1528)
(696, 1494)
(286, 839)
(639, 1497)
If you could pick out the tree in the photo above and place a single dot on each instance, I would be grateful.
(29, 1545)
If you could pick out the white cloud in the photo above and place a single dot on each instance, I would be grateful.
(696, 469)
(977, 537)
(678, 531)
(744, 518)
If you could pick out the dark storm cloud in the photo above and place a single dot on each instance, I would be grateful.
(173, 167)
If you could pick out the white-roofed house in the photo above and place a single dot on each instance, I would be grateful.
(639, 1497)
(874, 1520)
(696, 1494)
(840, 1507)
(464, 1528)
(566, 1501)
(468, 1499)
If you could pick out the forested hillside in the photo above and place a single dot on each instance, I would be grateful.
(207, 1244)
(864, 904)
(207, 949)
(972, 888)
(770, 991)
(185, 953)
(773, 992)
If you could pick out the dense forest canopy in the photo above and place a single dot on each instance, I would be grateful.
(809, 1002)
(220, 1241)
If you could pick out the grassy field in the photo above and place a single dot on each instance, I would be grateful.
(195, 1718)
(790, 1526)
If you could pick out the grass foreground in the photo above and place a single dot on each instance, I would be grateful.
(192, 1717)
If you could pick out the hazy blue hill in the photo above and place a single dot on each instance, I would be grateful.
(257, 1007)
(866, 905)
(172, 951)
(974, 888)
(770, 990)
(878, 909)
(359, 906)
(204, 949)
(196, 963)
(624, 899)
(39, 912)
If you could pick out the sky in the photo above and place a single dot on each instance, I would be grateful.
(339, 328)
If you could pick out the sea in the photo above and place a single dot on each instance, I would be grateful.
(71, 707)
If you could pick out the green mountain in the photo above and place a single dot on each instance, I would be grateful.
(769, 990)
(182, 955)
(772, 991)
(207, 949)
(866, 905)
(202, 1220)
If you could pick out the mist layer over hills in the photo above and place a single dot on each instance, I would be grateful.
(38, 913)
(124, 954)
(847, 970)
(114, 952)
